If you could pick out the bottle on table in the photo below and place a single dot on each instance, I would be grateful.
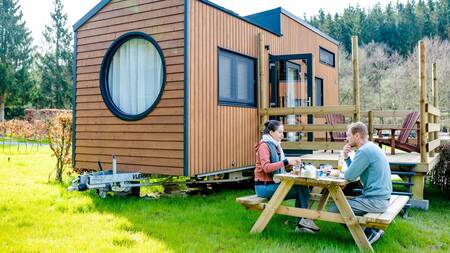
(340, 161)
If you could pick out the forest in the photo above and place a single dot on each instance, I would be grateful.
(41, 76)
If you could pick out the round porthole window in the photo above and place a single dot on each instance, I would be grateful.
(132, 76)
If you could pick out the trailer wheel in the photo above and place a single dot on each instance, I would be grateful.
(102, 194)
(135, 191)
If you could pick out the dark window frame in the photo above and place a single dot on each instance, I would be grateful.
(233, 101)
(104, 71)
(329, 52)
(323, 93)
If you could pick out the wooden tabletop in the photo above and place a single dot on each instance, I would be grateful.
(320, 181)
(400, 158)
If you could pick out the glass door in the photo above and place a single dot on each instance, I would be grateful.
(289, 87)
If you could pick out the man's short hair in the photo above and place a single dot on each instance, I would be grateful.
(358, 127)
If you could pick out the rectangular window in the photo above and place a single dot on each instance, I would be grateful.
(237, 80)
(319, 91)
(326, 57)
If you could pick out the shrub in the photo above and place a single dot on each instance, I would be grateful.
(440, 175)
(22, 131)
(59, 133)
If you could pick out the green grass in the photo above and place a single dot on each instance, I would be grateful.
(37, 216)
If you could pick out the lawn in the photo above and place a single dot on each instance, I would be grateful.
(37, 216)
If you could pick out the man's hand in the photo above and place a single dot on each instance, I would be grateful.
(346, 150)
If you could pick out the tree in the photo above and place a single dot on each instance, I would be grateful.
(389, 32)
(399, 25)
(15, 54)
(442, 18)
(56, 63)
(389, 81)
(6, 81)
(371, 31)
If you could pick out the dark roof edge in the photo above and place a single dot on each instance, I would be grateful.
(234, 14)
(90, 14)
(309, 26)
(277, 22)
(102, 4)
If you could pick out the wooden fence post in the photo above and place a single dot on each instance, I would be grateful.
(435, 97)
(355, 62)
(419, 178)
(423, 101)
(263, 93)
(370, 119)
(431, 118)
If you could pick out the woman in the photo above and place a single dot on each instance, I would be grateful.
(270, 159)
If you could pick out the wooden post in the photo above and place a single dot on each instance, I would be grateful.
(431, 116)
(370, 116)
(313, 100)
(431, 134)
(435, 97)
(355, 62)
(419, 184)
(422, 102)
(263, 92)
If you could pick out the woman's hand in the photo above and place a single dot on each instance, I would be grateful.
(294, 160)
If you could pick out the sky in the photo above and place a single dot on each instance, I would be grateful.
(37, 12)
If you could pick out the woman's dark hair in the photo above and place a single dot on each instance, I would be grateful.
(271, 125)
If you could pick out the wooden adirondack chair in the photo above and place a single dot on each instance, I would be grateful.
(335, 119)
(402, 142)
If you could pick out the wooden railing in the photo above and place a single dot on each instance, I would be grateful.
(382, 119)
(432, 127)
(429, 126)
(315, 111)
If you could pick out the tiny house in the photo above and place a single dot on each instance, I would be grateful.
(171, 86)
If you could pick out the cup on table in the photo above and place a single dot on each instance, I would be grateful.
(296, 169)
(327, 169)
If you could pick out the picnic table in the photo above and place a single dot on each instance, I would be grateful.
(332, 186)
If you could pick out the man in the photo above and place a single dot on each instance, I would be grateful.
(371, 166)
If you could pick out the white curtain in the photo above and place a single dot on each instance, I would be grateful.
(291, 82)
(243, 79)
(225, 75)
(135, 76)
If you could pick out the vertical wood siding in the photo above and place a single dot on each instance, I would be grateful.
(223, 137)
(153, 144)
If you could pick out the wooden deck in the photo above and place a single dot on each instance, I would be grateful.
(399, 161)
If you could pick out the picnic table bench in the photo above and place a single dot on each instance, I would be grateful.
(331, 187)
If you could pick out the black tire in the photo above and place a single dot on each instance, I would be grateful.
(135, 191)
(102, 194)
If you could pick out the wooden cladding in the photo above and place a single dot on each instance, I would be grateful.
(153, 144)
(219, 137)
(224, 137)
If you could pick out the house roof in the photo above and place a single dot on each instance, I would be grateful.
(90, 14)
(269, 20)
